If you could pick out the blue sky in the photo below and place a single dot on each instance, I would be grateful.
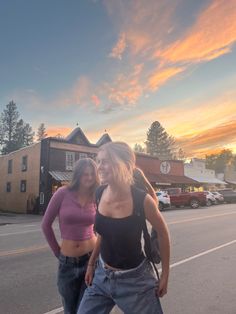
(120, 65)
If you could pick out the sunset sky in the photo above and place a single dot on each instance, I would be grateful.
(119, 65)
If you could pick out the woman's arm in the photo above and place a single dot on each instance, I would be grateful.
(92, 262)
(155, 218)
(48, 219)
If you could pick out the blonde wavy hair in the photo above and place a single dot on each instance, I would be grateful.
(122, 160)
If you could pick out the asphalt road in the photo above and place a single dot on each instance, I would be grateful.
(203, 260)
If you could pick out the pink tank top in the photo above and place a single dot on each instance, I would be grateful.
(75, 221)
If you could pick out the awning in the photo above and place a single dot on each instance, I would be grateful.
(208, 180)
(164, 179)
(61, 175)
(231, 182)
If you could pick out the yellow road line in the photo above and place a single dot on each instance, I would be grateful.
(24, 250)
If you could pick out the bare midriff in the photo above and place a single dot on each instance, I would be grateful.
(77, 248)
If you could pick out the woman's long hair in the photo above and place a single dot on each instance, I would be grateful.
(78, 172)
(141, 182)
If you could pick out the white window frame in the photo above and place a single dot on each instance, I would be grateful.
(83, 155)
(70, 160)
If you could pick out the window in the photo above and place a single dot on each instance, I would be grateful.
(83, 155)
(24, 163)
(23, 186)
(41, 198)
(8, 187)
(70, 160)
(10, 162)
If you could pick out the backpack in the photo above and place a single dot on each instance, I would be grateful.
(151, 245)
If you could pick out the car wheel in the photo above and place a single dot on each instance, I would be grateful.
(208, 203)
(161, 207)
(194, 203)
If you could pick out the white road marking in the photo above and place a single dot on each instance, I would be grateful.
(199, 218)
(23, 232)
(59, 310)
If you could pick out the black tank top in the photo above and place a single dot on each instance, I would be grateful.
(121, 237)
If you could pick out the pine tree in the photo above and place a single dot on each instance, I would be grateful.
(138, 148)
(28, 135)
(159, 143)
(41, 134)
(14, 133)
(9, 119)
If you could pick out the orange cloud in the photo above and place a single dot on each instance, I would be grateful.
(95, 100)
(119, 48)
(63, 131)
(161, 76)
(212, 35)
(211, 139)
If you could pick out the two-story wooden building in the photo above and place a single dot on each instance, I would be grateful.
(29, 176)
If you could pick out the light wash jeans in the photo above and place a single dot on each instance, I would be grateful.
(132, 290)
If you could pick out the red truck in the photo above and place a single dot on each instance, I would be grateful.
(192, 199)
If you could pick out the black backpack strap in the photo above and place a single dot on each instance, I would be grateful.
(139, 197)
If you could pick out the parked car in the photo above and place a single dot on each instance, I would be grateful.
(229, 195)
(192, 199)
(210, 198)
(219, 197)
(164, 200)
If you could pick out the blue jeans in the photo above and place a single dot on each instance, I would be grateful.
(70, 281)
(132, 290)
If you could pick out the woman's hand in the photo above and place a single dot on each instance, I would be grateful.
(162, 286)
(89, 274)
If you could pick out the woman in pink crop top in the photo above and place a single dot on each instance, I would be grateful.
(75, 208)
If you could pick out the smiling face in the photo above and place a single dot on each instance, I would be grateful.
(105, 169)
(88, 178)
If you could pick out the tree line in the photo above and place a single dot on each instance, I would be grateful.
(15, 133)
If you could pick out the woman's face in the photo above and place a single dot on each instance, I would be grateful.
(88, 178)
(104, 167)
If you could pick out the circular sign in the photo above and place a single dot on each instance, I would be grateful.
(165, 167)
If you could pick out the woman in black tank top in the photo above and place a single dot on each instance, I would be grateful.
(124, 276)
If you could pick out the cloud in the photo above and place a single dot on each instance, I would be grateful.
(211, 36)
(210, 140)
(54, 131)
(119, 48)
(161, 76)
(95, 100)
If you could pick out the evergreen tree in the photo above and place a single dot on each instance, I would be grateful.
(218, 162)
(159, 143)
(41, 134)
(14, 133)
(28, 135)
(9, 119)
(181, 155)
(138, 148)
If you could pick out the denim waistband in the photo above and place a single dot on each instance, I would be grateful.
(129, 273)
(79, 260)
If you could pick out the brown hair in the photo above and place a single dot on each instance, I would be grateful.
(122, 160)
(78, 171)
(141, 182)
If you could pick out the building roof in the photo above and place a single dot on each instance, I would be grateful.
(165, 179)
(75, 133)
(209, 180)
(105, 138)
(61, 175)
